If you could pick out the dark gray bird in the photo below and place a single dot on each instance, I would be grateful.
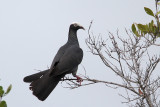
(66, 61)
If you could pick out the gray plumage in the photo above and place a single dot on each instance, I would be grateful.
(66, 61)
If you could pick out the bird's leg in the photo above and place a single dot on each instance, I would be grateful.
(79, 79)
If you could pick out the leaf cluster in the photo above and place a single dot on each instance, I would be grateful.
(151, 28)
(4, 93)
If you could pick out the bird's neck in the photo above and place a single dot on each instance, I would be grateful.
(72, 36)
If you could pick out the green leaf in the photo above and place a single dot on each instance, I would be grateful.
(147, 27)
(133, 28)
(154, 29)
(3, 104)
(142, 27)
(1, 88)
(1, 91)
(149, 11)
(9, 89)
(158, 13)
(137, 34)
(151, 24)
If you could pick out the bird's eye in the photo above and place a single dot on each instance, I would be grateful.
(75, 25)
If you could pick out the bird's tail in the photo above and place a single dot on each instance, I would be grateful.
(35, 76)
(43, 86)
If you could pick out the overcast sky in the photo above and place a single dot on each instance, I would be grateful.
(31, 32)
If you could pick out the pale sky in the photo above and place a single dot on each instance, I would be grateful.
(31, 32)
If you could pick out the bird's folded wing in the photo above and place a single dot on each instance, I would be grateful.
(71, 59)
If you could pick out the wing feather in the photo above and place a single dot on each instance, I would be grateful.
(70, 60)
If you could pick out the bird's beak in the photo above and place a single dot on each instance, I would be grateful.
(81, 27)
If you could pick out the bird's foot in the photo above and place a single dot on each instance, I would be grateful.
(79, 79)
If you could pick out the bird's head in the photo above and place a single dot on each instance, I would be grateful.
(76, 26)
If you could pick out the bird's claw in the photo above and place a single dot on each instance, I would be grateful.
(79, 79)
